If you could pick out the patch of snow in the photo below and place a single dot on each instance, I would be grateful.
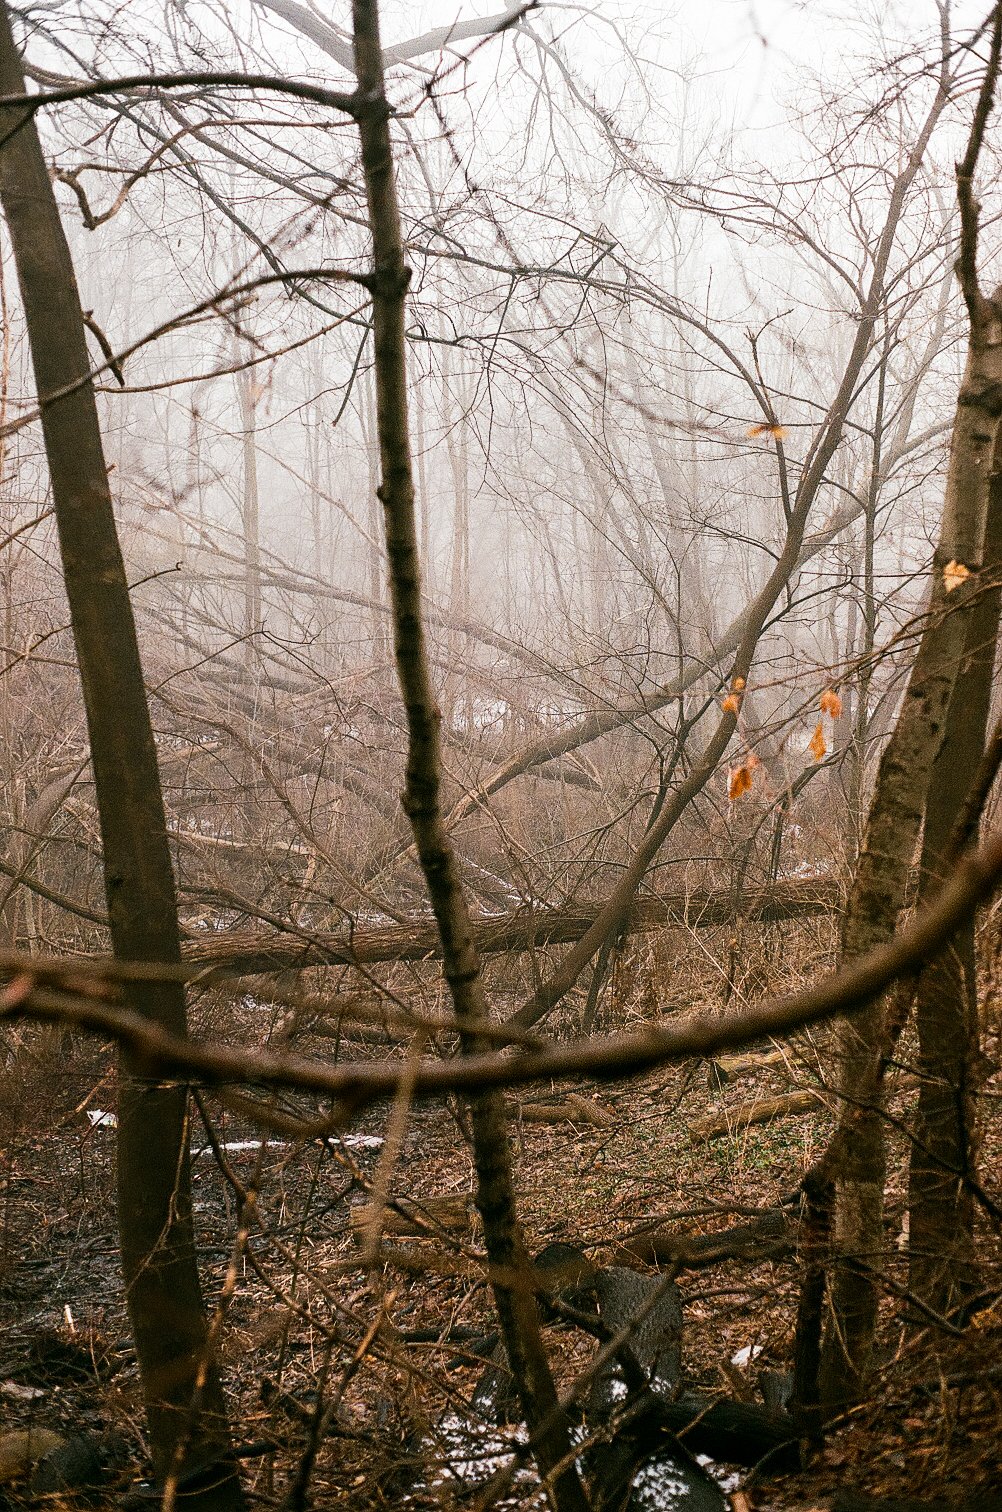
(506, 888)
(240, 1146)
(464, 1451)
(460, 1450)
(481, 714)
(727, 1480)
(98, 1119)
(660, 1486)
(467, 1454)
(805, 871)
(235, 1146)
(745, 1356)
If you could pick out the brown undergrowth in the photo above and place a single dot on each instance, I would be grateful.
(357, 1365)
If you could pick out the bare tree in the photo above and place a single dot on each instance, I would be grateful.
(856, 1162)
(188, 1429)
(509, 1268)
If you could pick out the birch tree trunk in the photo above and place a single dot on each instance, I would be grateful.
(857, 1156)
(942, 1267)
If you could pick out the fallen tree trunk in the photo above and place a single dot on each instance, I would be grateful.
(733, 1433)
(765, 1238)
(243, 952)
(859, 1501)
(425, 1219)
(574, 1109)
(763, 1110)
(726, 1067)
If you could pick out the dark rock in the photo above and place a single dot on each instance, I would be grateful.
(668, 1481)
(495, 1398)
(81, 1462)
(628, 1475)
(564, 1273)
(776, 1387)
(78, 1463)
(651, 1307)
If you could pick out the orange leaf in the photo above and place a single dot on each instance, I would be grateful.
(817, 744)
(831, 703)
(955, 573)
(731, 704)
(739, 783)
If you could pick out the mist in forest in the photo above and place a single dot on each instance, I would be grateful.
(500, 561)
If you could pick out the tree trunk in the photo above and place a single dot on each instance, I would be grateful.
(509, 1268)
(943, 1154)
(857, 1157)
(250, 513)
(157, 1240)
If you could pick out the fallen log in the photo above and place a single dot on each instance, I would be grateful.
(726, 1067)
(476, 1340)
(426, 1260)
(736, 1433)
(763, 1110)
(765, 1238)
(428, 1219)
(251, 951)
(668, 1475)
(575, 1109)
(729, 1432)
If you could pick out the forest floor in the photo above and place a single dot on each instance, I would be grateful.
(304, 1311)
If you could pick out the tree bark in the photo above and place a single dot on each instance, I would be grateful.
(510, 1271)
(857, 1155)
(761, 1110)
(186, 1413)
(942, 1267)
